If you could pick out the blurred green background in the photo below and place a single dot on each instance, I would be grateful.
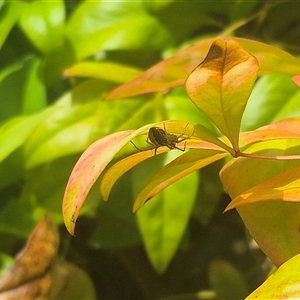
(180, 245)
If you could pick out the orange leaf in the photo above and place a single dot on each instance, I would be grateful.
(221, 84)
(284, 187)
(86, 171)
(185, 164)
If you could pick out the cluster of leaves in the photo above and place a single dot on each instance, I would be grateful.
(58, 61)
(220, 87)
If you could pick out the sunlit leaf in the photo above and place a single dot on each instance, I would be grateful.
(100, 153)
(104, 70)
(182, 166)
(43, 22)
(284, 283)
(271, 215)
(121, 167)
(274, 97)
(221, 84)
(16, 131)
(296, 79)
(65, 131)
(106, 25)
(167, 74)
(87, 170)
(175, 70)
(271, 59)
(284, 187)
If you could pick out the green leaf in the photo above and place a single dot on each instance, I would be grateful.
(106, 25)
(118, 227)
(283, 283)
(43, 23)
(104, 70)
(16, 131)
(161, 231)
(226, 280)
(58, 135)
(22, 87)
(10, 12)
(274, 97)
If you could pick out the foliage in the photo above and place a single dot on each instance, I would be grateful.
(48, 120)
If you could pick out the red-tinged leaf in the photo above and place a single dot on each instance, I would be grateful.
(178, 168)
(266, 134)
(103, 70)
(282, 284)
(273, 218)
(284, 187)
(94, 160)
(296, 79)
(173, 71)
(291, 125)
(165, 75)
(221, 85)
(123, 166)
(87, 170)
(126, 164)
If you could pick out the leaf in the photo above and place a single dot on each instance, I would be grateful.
(221, 84)
(22, 87)
(58, 134)
(266, 197)
(123, 166)
(43, 23)
(36, 257)
(182, 166)
(271, 59)
(105, 25)
(263, 134)
(104, 70)
(174, 71)
(99, 154)
(87, 169)
(16, 131)
(165, 75)
(282, 284)
(284, 187)
(274, 97)
(226, 280)
(10, 12)
(161, 232)
(296, 80)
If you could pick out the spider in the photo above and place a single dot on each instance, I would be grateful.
(158, 137)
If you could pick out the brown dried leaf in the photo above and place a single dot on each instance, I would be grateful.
(34, 260)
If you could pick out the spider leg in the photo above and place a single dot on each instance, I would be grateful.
(135, 146)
